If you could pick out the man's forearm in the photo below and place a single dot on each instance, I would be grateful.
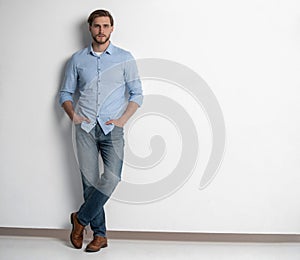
(77, 119)
(68, 107)
(130, 110)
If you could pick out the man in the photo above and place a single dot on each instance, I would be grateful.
(110, 92)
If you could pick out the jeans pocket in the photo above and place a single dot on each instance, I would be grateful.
(117, 132)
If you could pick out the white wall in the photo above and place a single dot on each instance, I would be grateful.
(246, 51)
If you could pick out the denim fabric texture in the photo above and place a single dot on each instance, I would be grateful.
(98, 187)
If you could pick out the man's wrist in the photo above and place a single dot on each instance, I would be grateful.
(122, 121)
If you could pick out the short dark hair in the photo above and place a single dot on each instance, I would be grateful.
(99, 13)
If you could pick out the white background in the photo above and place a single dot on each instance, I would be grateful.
(246, 51)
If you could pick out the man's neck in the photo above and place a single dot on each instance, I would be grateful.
(100, 47)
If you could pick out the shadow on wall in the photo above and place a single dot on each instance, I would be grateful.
(72, 173)
(84, 34)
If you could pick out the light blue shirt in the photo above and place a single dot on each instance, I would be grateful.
(105, 84)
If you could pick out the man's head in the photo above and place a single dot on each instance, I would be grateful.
(101, 25)
(100, 13)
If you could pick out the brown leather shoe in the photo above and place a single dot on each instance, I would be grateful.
(97, 243)
(76, 235)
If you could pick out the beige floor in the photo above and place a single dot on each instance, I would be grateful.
(12, 247)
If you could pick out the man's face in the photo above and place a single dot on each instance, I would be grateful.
(101, 29)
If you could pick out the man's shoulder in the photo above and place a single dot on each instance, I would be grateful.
(80, 53)
(120, 51)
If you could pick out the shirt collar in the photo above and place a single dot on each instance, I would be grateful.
(109, 49)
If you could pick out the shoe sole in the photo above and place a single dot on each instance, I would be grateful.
(93, 251)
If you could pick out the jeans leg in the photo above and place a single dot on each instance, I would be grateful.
(111, 149)
(88, 158)
(98, 223)
(112, 152)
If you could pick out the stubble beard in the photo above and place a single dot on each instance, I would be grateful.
(103, 41)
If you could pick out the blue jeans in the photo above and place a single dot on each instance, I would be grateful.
(98, 189)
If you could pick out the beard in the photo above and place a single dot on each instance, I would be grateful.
(103, 39)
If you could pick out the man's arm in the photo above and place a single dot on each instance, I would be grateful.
(134, 86)
(130, 110)
(67, 90)
(69, 109)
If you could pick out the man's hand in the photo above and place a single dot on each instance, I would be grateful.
(116, 122)
(77, 119)
(130, 110)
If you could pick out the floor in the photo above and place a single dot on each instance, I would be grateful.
(31, 248)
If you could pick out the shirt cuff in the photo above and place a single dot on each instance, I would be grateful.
(65, 96)
(137, 99)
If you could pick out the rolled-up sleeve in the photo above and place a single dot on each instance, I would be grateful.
(69, 84)
(133, 82)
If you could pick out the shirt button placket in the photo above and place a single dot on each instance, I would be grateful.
(98, 84)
